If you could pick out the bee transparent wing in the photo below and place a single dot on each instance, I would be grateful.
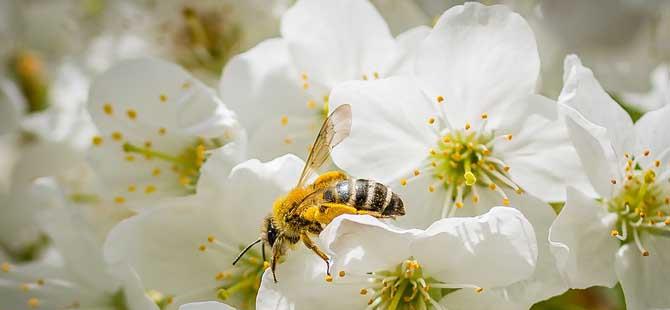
(334, 129)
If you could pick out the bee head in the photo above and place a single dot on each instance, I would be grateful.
(269, 232)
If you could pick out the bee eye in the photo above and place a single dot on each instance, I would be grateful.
(271, 232)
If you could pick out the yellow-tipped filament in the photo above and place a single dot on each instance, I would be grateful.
(406, 287)
(642, 203)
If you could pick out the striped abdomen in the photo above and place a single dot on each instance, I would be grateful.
(365, 195)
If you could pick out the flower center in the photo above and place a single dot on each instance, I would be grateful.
(641, 205)
(462, 161)
(241, 282)
(207, 39)
(186, 164)
(405, 287)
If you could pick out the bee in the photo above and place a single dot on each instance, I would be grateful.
(308, 208)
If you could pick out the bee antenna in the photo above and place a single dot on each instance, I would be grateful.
(245, 250)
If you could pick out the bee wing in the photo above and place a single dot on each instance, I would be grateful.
(334, 129)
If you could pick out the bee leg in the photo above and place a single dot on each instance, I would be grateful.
(328, 178)
(277, 252)
(263, 252)
(310, 245)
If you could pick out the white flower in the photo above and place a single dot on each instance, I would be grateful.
(467, 133)
(281, 87)
(157, 125)
(622, 235)
(480, 253)
(80, 278)
(184, 248)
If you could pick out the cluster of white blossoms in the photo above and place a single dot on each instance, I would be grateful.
(133, 184)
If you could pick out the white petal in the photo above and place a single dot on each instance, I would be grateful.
(12, 105)
(652, 134)
(390, 134)
(265, 78)
(337, 41)
(582, 92)
(162, 246)
(409, 41)
(595, 150)
(480, 59)
(208, 305)
(471, 300)
(422, 207)
(301, 285)
(250, 190)
(644, 279)
(356, 254)
(492, 250)
(134, 293)
(542, 159)
(582, 244)
(214, 172)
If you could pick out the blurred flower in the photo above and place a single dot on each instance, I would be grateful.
(622, 235)
(157, 126)
(209, 305)
(387, 268)
(184, 248)
(79, 278)
(658, 97)
(289, 79)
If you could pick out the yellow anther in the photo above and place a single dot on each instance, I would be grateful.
(645, 253)
(117, 136)
(5, 267)
(162, 131)
(97, 140)
(667, 221)
(446, 139)
(156, 172)
(508, 137)
(186, 85)
(130, 158)
(148, 144)
(467, 126)
(132, 188)
(506, 168)
(459, 204)
(613, 181)
(119, 199)
(210, 238)
(311, 104)
(403, 182)
(303, 76)
(479, 290)
(376, 74)
(329, 278)
(150, 189)
(363, 291)
(646, 152)
(202, 248)
(33, 302)
(365, 77)
(492, 186)
(505, 202)
(431, 120)
(485, 116)
(284, 120)
(342, 274)
(266, 264)
(220, 276)
(417, 172)
(475, 199)
(657, 163)
(470, 178)
(163, 98)
(108, 109)
(432, 152)
(305, 85)
(431, 188)
(614, 233)
(132, 114)
(650, 177)
(169, 300)
(440, 99)
(25, 287)
(40, 282)
(184, 180)
(288, 140)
